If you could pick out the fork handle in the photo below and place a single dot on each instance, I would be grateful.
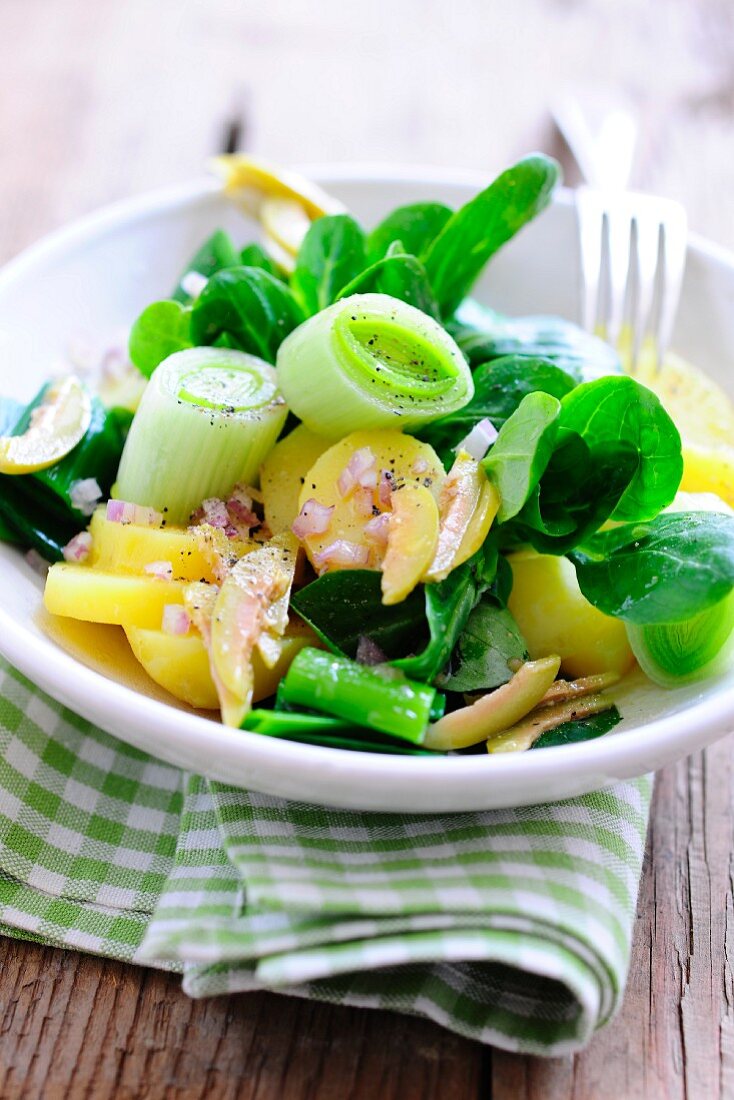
(603, 149)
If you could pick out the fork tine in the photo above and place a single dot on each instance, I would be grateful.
(674, 228)
(619, 231)
(590, 217)
(645, 249)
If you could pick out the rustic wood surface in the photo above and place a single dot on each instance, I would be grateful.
(101, 99)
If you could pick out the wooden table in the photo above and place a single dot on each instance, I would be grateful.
(100, 99)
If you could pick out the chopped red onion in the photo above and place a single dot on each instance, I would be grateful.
(377, 528)
(364, 501)
(193, 283)
(215, 513)
(161, 570)
(122, 511)
(359, 471)
(349, 555)
(77, 549)
(85, 494)
(384, 493)
(479, 439)
(313, 519)
(368, 652)
(175, 619)
(239, 508)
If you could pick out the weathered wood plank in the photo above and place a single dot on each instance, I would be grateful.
(71, 1025)
(673, 1038)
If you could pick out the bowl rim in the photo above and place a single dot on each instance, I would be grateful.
(628, 751)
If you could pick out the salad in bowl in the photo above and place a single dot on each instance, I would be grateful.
(338, 501)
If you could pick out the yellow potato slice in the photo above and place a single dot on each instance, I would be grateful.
(98, 596)
(129, 547)
(57, 425)
(412, 534)
(408, 461)
(554, 617)
(283, 474)
(180, 663)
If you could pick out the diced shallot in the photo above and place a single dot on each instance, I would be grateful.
(78, 548)
(161, 570)
(387, 483)
(215, 513)
(239, 509)
(348, 555)
(122, 511)
(85, 494)
(175, 619)
(313, 519)
(479, 439)
(359, 471)
(363, 501)
(377, 528)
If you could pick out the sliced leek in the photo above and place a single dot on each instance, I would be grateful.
(678, 653)
(371, 361)
(206, 421)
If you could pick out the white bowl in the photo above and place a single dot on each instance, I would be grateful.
(95, 276)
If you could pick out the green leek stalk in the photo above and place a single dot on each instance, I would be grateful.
(371, 361)
(679, 653)
(317, 729)
(379, 698)
(206, 421)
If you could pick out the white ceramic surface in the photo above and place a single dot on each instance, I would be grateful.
(94, 277)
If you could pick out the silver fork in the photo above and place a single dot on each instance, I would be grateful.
(632, 246)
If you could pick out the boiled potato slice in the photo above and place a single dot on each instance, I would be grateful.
(283, 474)
(407, 460)
(129, 547)
(102, 597)
(412, 535)
(554, 617)
(180, 663)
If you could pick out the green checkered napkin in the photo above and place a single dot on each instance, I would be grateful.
(509, 927)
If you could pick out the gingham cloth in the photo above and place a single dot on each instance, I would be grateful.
(509, 927)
